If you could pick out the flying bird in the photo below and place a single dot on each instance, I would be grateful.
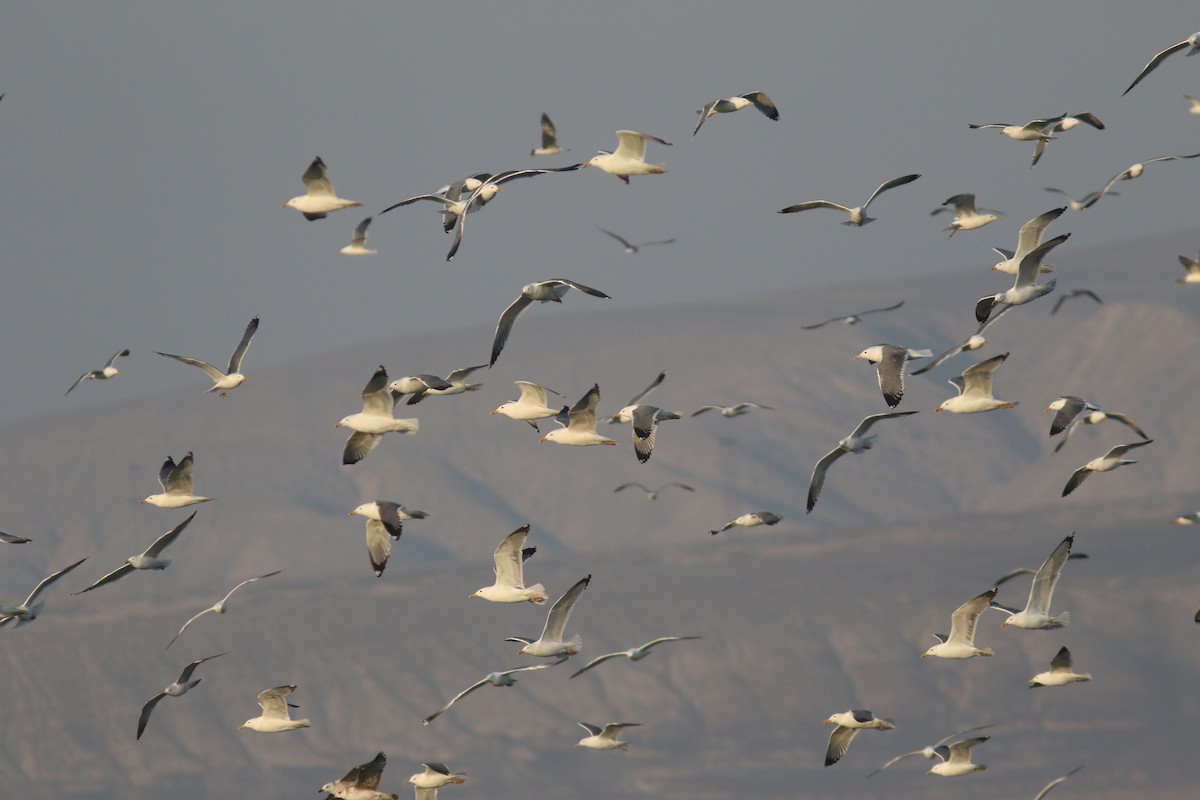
(148, 559)
(1087, 201)
(220, 606)
(890, 361)
(928, 752)
(848, 724)
(749, 521)
(1025, 288)
(454, 383)
(736, 410)
(856, 442)
(102, 374)
(956, 759)
(417, 386)
(181, 686)
(176, 481)
(374, 420)
(858, 216)
(275, 717)
(652, 494)
(973, 342)
(551, 643)
(635, 248)
(1183, 519)
(1070, 413)
(645, 421)
(550, 291)
(509, 585)
(530, 406)
(1035, 130)
(633, 654)
(550, 146)
(961, 641)
(25, 612)
(358, 242)
(390, 515)
(360, 783)
(320, 200)
(629, 158)
(1134, 171)
(726, 105)
(1062, 298)
(1036, 614)
(1109, 461)
(851, 319)
(975, 389)
(454, 197)
(232, 377)
(1061, 672)
(966, 217)
(436, 776)
(580, 429)
(1192, 265)
(605, 738)
(503, 678)
(1191, 44)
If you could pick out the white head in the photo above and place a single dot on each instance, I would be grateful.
(873, 354)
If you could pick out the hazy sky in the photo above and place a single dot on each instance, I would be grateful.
(148, 149)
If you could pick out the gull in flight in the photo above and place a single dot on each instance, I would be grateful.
(856, 442)
(1036, 614)
(102, 374)
(360, 783)
(232, 377)
(637, 398)
(550, 146)
(961, 641)
(1109, 461)
(956, 759)
(177, 688)
(890, 360)
(629, 158)
(635, 248)
(26, 613)
(975, 389)
(1061, 672)
(1191, 44)
(858, 216)
(530, 406)
(321, 199)
(220, 606)
(550, 291)
(454, 383)
(1062, 298)
(1192, 265)
(452, 200)
(417, 386)
(726, 105)
(1070, 414)
(930, 751)
(436, 776)
(1028, 239)
(275, 717)
(1024, 288)
(509, 585)
(848, 724)
(736, 410)
(374, 420)
(1087, 201)
(633, 654)
(652, 494)
(384, 523)
(1034, 130)
(1183, 519)
(551, 643)
(966, 217)
(358, 242)
(176, 481)
(605, 738)
(850, 319)
(580, 428)
(645, 421)
(1131, 172)
(749, 521)
(971, 343)
(148, 559)
(504, 678)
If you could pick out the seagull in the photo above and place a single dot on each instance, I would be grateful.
(1109, 461)
(972, 342)
(102, 374)
(26, 613)
(1062, 298)
(360, 783)
(1024, 288)
(232, 377)
(374, 420)
(358, 242)
(321, 199)
(652, 494)
(956, 759)
(509, 585)
(550, 146)
(550, 291)
(858, 216)
(1056, 782)
(856, 442)
(1183, 519)
(580, 429)
(1087, 201)
(1035, 129)
(452, 201)
(1036, 615)
(966, 217)
(645, 421)
(749, 521)
(1191, 43)
(220, 606)
(1069, 410)
(629, 158)
(551, 643)
(177, 688)
(147, 560)
(975, 389)
(384, 522)
(176, 481)
(1028, 239)
(928, 752)
(10, 538)
(1192, 265)
(633, 654)
(735, 410)
(635, 248)
(605, 738)
(417, 386)
(1008, 576)
(275, 717)
(503, 678)
(455, 383)
(850, 319)
(961, 641)
(891, 359)
(436, 776)
(530, 406)
(726, 105)
(849, 723)
(637, 398)
(1060, 673)
(1134, 171)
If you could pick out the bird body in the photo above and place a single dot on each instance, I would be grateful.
(848, 724)
(232, 377)
(1061, 672)
(148, 559)
(749, 521)
(358, 242)
(374, 420)
(275, 717)
(551, 291)
(550, 145)
(179, 687)
(605, 738)
(1036, 614)
(652, 494)
(851, 319)
(736, 410)
(360, 783)
(530, 406)
(726, 105)
(436, 776)
(645, 421)
(889, 361)
(176, 481)
(961, 641)
(509, 585)
(1106, 463)
(1192, 265)
(102, 374)
(634, 653)
(966, 217)
(580, 430)
(1025, 289)
(551, 643)
(956, 759)
(220, 607)
(629, 158)
(500, 678)
(975, 389)
(320, 200)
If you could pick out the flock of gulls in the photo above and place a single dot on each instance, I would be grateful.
(577, 426)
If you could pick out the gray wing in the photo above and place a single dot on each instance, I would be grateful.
(1124, 419)
(1061, 661)
(867, 422)
(179, 477)
(890, 371)
(978, 377)
(1067, 414)
(892, 184)
(811, 204)
(366, 776)
(445, 200)
(185, 625)
(643, 431)
(235, 361)
(453, 700)
(560, 612)
(549, 134)
(619, 238)
(762, 103)
(579, 286)
(817, 482)
(379, 545)
(1153, 63)
(164, 541)
(705, 113)
(208, 368)
(947, 738)
(627, 485)
(116, 574)
(9, 538)
(594, 730)
(249, 580)
(147, 710)
(85, 376)
(389, 516)
(961, 751)
(272, 701)
(505, 324)
(1122, 449)
(164, 472)
(358, 445)
(839, 743)
(583, 413)
(1027, 270)
(114, 358)
(186, 675)
(509, 558)
(662, 639)
(359, 239)
(1047, 576)
(962, 621)
(1008, 576)
(595, 661)
(376, 397)
(963, 203)
(894, 760)
(316, 178)
(49, 579)
(1077, 477)
(633, 401)
(1056, 782)
(1030, 235)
